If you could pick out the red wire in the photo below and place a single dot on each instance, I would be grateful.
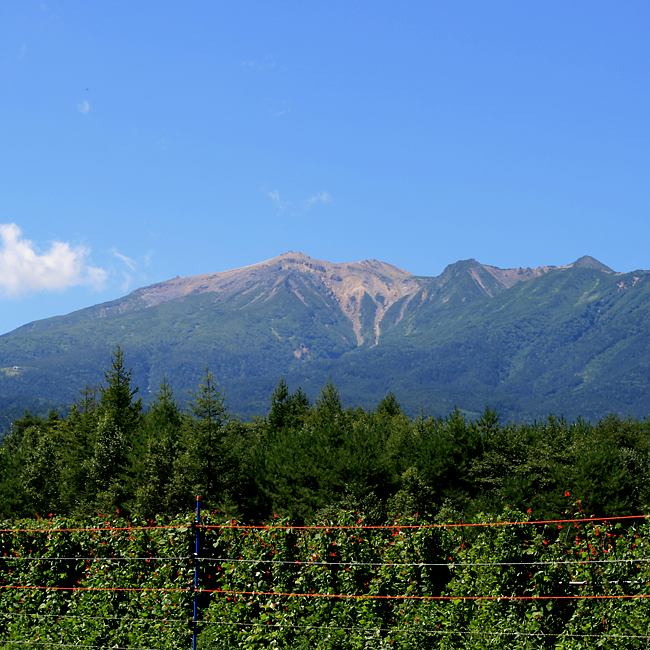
(264, 527)
(399, 526)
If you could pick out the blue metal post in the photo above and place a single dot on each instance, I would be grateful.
(196, 570)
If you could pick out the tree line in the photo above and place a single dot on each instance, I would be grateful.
(306, 461)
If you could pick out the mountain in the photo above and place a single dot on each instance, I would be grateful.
(570, 339)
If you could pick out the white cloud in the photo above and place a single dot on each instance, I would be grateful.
(281, 205)
(323, 197)
(23, 268)
(84, 107)
(23, 50)
(127, 260)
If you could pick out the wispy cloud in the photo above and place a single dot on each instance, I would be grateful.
(128, 278)
(131, 264)
(278, 108)
(281, 205)
(322, 197)
(84, 107)
(267, 63)
(131, 270)
(127, 260)
(23, 50)
(304, 206)
(23, 268)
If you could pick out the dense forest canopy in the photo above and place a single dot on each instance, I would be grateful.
(302, 460)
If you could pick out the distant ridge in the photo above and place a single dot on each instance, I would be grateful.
(348, 282)
(571, 339)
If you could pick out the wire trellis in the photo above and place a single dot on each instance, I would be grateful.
(193, 589)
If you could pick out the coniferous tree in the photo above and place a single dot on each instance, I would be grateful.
(329, 400)
(389, 406)
(30, 467)
(287, 409)
(77, 435)
(108, 465)
(118, 416)
(12, 458)
(161, 431)
(202, 468)
(117, 396)
(41, 472)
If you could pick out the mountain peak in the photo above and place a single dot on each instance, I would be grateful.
(589, 262)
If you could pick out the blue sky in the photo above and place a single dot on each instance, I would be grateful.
(143, 140)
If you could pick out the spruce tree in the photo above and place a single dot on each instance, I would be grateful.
(162, 426)
(202, 469)
(287, 409)
(117, 395)
(118, 417)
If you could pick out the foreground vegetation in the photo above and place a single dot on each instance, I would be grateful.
(570, 586)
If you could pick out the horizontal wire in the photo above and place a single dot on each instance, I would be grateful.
(430, 631)
(608, 582)
(107, 528)
(362, 629)
(154, 589)
(70, 645)
(379, 597)
(314, 595)
(188, 558)
(332, 628)
(419, 526)
(95, 558)
(316, 627)
(417, 564)
(100, 618)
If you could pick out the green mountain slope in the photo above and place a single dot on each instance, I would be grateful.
(570, 340)
(575, 342)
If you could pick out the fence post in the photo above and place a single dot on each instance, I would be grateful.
(196, 570)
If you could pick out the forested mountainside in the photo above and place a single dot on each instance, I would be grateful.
(572, 340)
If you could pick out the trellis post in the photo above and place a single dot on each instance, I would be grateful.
(196, 571)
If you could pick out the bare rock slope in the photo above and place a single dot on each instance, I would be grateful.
(348, 283)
